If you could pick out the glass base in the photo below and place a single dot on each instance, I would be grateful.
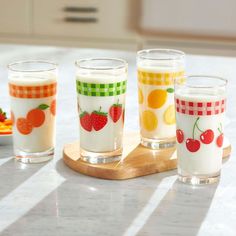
(199, 179)
(100, 157)
(158, 143)
(34, 157)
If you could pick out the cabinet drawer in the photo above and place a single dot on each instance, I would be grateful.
(83, 18)
(15, 16)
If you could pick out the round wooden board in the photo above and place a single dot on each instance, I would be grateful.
(136, 160)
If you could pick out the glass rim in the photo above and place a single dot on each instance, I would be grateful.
(179, 54)
(124, 64)
(54, 66)
(223, 80)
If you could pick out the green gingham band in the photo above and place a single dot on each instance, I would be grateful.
(101, 90)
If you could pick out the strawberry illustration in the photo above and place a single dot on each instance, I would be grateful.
(115, 111)
(86, 121)
(99, 119)
(2, 115)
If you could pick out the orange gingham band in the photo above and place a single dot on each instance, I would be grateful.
(41, 91)
(200, 108)
(152, 78)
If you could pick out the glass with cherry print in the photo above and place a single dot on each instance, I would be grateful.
(200, 108)
(101, 88)
(32, 88)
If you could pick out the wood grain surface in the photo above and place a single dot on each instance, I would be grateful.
(136, 160)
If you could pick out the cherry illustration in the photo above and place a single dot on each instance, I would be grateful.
(192, 145)
(180, 135)
(207, 136)
(220, 138)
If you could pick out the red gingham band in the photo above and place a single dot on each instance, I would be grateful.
(200, 108)
(41, 91)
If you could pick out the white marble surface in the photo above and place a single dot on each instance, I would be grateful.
(50, 199)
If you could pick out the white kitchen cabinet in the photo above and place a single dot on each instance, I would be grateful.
(207, 18)
(101, 19)
(15, 16)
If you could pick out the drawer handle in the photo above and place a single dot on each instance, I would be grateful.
(80, 9)
(80, 20)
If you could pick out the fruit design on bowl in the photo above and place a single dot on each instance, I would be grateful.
(5, 124)
(206, 137)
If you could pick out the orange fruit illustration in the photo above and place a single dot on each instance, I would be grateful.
(36, 117)
(169, 115)
(140, 96)
(53, 107)
(149, 120)
(24, 126)
(157, 98)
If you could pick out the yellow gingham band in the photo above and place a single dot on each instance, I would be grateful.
(152, 78)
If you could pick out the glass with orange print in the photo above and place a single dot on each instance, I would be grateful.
(32, 88)
(157, 70)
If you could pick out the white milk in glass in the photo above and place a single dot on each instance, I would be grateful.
(157, 71)
(106, 134)
(34, 118)
(200, 133)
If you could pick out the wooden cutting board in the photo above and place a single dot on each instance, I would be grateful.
(136, 160)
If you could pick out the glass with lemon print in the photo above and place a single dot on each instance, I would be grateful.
(157, 70)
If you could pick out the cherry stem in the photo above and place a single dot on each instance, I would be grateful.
(100, 109)
(117, 101)
(220, 128)
(195, 124)
(199, 128)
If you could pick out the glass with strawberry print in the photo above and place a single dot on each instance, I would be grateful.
(157, 70)
(200, 108)
(101, 88)
(32, 89)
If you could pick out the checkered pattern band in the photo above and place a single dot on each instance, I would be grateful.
(200, 108)
(41, 91)
(101, 90)
(165, 78)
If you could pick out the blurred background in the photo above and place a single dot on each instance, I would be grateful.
(194, 26)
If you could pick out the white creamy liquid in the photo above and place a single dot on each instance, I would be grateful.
(41, 138)
(207, 160)
(163, 130)
(109, 138)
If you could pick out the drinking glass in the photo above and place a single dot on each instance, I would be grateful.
(157, 70)
(32, 88)
(200, 109)
(101, 88)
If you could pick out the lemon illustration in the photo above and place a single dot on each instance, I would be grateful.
(149, 120)
(157, 98)
(169, 115)
(140, 96)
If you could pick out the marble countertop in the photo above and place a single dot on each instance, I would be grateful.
(51, 199)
